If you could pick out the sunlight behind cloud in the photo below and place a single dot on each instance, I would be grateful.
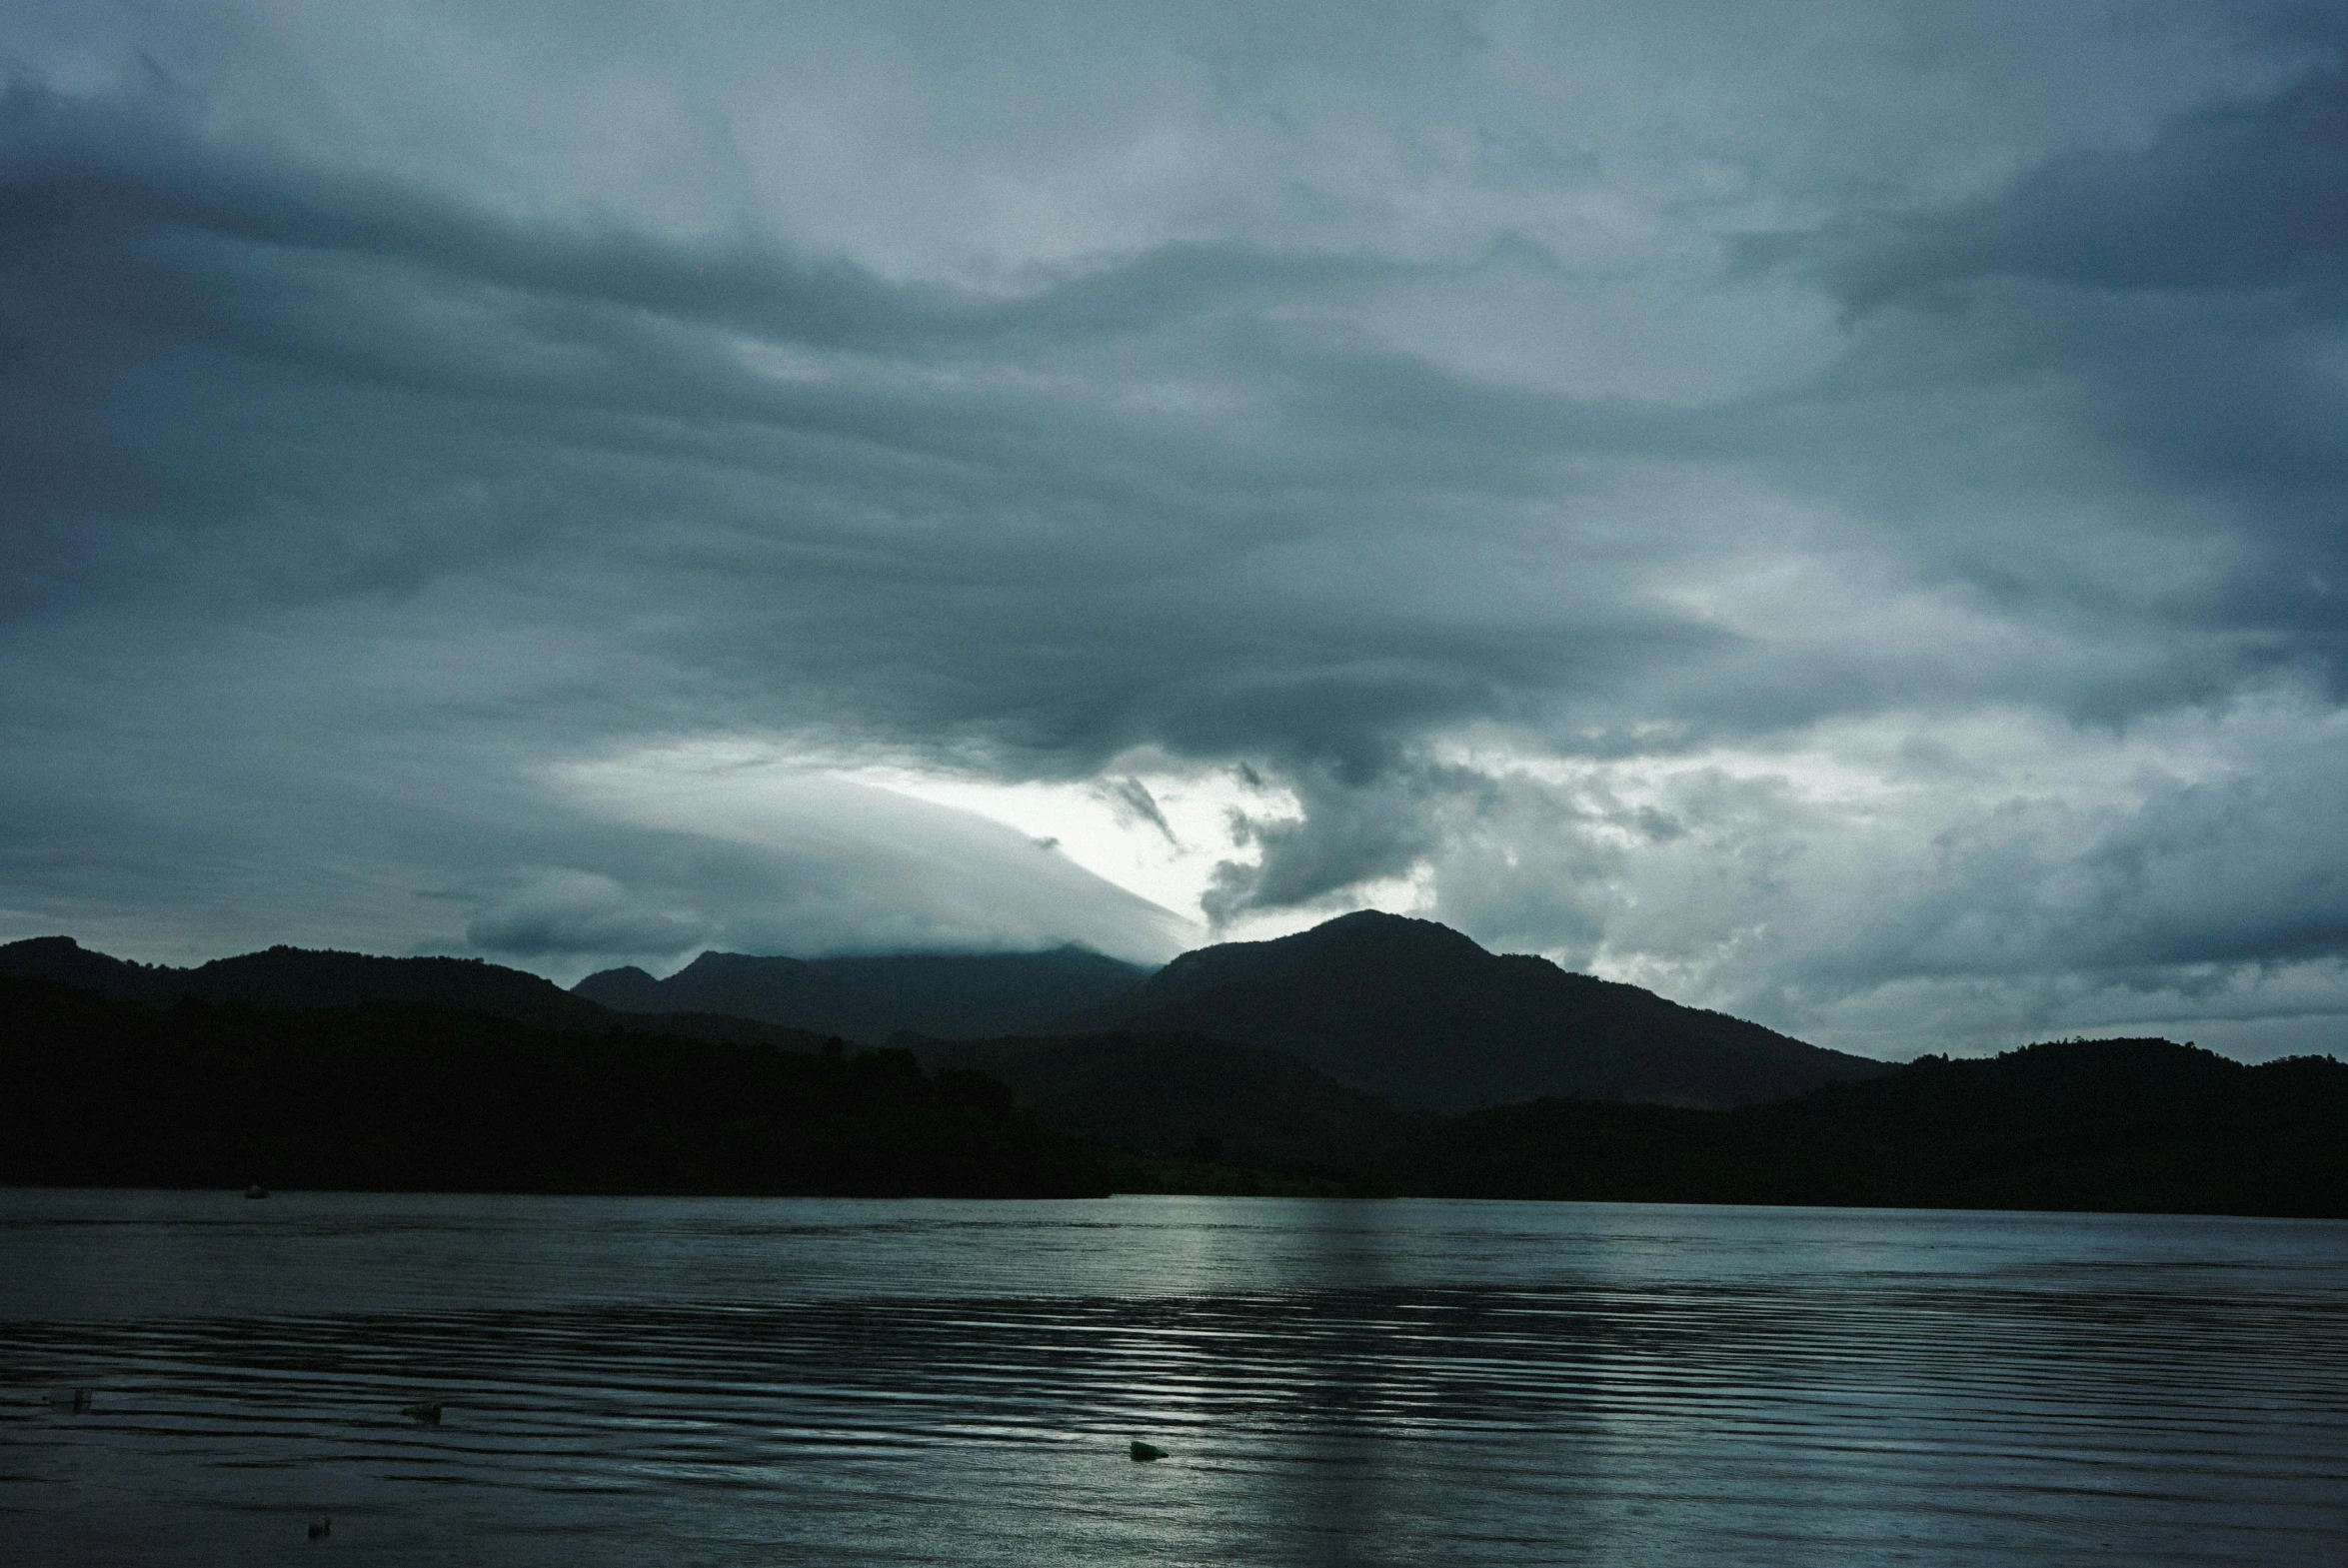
(896, 869)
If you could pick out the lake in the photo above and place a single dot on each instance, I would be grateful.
(842, 1381)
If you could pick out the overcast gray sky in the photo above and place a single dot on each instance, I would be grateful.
(1835, 511)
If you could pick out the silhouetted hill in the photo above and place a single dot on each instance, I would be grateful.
(295, 978)
(1180, 1094)
(96, 1091)
(942, 996)
(68, 963)
(2118, 1125)
(1418, 1014)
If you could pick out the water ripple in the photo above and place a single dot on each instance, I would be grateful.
(1989, 1409)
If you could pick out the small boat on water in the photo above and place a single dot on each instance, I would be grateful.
(256, 1190)
(77, 1401)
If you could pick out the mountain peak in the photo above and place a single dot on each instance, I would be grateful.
(40, 944)
(1378, 925)
(712, 961)
(1422, 1016)
(68, 963)
(623, 989)
(1368, 934)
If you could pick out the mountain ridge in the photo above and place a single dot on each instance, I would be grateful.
(2114, 1125)
(1422, 1016)
(291, 979)
(868, 998)
(393, 1093)
(1406, 1010)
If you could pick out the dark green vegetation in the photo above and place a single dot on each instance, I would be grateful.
(1187, 1097)
(399, 1098)
(1419, 1016)
(944, 996)
(2136, 1125)
(2140, 1125)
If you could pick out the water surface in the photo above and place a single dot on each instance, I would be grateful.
(840, 1381)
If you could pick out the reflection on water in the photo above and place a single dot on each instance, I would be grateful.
(831, 1381)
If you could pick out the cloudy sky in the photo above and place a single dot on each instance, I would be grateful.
(1835, 511)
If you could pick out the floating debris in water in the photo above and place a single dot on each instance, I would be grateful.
(429, 1414)
(78, 1401)
(1146, 1451)
(321, 1528)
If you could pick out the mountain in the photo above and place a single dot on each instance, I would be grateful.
(940, 995)
(68, 963)
(2135, 1125)
(1417, 1015)
(335, 1069)
(295, 978)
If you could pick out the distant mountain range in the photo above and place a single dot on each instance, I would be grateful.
(1364, 1008)
(299, 978)
(942, 996)
(1371, 1054)
(1408, 1012)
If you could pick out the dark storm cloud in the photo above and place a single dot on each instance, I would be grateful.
(486, 396)
(1403, 417)
(2244, 196)
(2180, 311)
(112, 176)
